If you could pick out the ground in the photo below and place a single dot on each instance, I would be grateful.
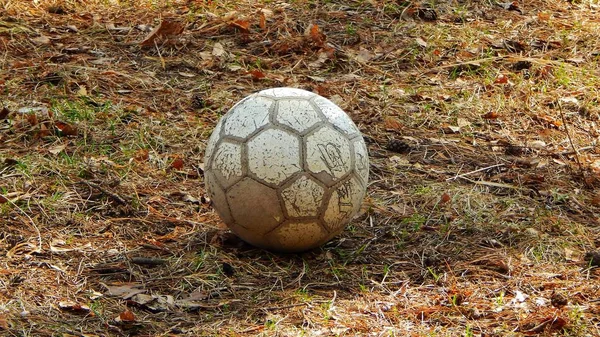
(481, 217)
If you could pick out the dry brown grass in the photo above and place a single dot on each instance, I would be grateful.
(482, 130)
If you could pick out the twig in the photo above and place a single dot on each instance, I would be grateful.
(478, 170)
(147, 261)
(564, 120)
(491, 183)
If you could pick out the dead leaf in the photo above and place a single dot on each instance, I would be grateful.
(364, 55)
(177, 164)
(57, 149)
(186, 74)
(392, 123)
(124, 290)
(142, 155)
(66, 129)
(490, 115)
(32, 119)
(450, 128)
(256, 74)
(242, 25)
(510, 6)
(174, 235)
(501, 79)
(41, 40)
(218, 50)
(4, 326)
(421, 42)
(543, 16)
(3, 199)
(82, 91)
(4, 113)
(462, 122)
(165, 29)
(127, 316)
(323, 57)
(74, 306)
(262, 23)
(154, 303)
(43, 131)
(315, 34)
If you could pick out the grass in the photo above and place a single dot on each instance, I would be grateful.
(519, 217)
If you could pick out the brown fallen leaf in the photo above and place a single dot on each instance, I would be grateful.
(166, 29)
(127, 316)
(501, 79)
(74, 306)
(392, 123)
(4, 326)
(32, 119)
(66, 129)
(257, 74)
(315, 35)
(177, 164)
(141, 155)
(242, 25)
(490, 115)
(4, 113)
(124, 290)
(262, 20)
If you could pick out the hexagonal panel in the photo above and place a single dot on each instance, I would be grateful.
(254, 206)
(298, 114)
(303, 197)
(219, 200)
(295, 236)
(361, 159)
(336, 115)
(274, 155)
(343, 204)
(286, 92)
(212, 142)
(328, 155)
(248, 116)
(227, 163)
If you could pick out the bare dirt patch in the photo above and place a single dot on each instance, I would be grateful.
(481, 122)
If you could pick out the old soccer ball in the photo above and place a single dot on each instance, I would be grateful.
(286, 169)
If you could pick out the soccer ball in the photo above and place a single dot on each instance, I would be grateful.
(286, 169)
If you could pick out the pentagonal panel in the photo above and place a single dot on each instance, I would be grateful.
(212, 142)
(254, 206)
(361, 159)
(303, 197)
(227, 163)
(328, 155)
(248, 116)
(286, 92)
(218, 198)
(298, 114)
(336, 115)
(295, 236)
(274, 155)
(343, 204)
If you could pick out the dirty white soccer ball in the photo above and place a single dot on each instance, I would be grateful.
(286, 169)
